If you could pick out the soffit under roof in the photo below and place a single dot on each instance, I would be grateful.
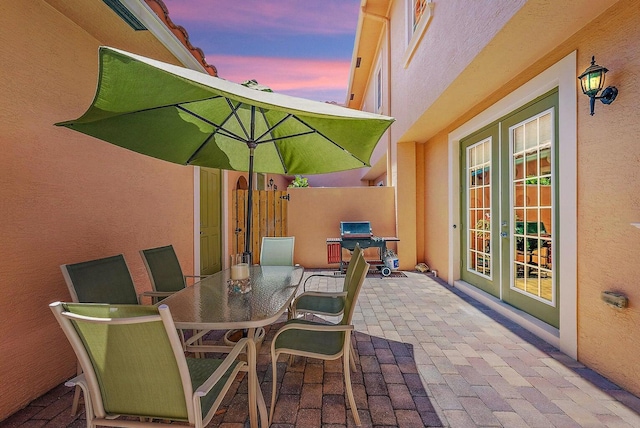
(103, 24)
(371, 22)
(552, 23)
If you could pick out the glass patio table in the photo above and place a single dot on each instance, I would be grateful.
(210, 304)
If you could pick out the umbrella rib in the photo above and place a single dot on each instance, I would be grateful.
(268, 131)
(285, 137)
(331, 141)
(288, 116)
(234, 113)
(205, 142)
(178, 105)
(219, 128)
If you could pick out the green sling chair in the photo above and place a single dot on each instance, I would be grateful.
(134, 367)
(323, 341)
(277, 251)
(165, 272)
(323, 302)
(105, 280)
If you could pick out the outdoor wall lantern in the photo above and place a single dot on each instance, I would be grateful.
(271, 182)
(592, 81)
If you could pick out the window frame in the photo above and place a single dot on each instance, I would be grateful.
(378, 90)
(415, 30)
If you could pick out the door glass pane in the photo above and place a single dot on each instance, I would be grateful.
(532, 211)
(479, 208)
(518, 140)
(545, 128)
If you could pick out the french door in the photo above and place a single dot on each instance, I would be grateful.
(508, 241)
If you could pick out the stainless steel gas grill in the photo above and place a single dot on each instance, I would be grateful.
(354, 233)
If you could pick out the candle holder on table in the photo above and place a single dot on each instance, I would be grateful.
(239, 281)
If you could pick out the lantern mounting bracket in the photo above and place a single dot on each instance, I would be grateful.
(608, 95)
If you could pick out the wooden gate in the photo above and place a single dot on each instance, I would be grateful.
(269, 218)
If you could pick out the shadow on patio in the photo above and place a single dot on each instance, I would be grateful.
(387, 388)
(429, 356)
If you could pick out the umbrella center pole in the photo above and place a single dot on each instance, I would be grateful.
(247, 238)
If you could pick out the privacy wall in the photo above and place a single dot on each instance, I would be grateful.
(66, 197)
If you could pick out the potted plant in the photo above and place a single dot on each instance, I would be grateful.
(299, 181)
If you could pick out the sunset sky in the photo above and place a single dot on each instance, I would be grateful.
(296, 47)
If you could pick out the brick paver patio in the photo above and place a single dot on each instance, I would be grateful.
(428, 356)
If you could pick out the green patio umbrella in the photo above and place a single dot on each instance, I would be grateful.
(191, 118)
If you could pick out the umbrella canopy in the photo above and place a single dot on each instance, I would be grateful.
(191, 118)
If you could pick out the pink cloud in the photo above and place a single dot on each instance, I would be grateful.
(284, 75)
(284, 16)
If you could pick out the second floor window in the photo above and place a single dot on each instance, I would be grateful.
(379, 90)
(418, 8)
(418, 16)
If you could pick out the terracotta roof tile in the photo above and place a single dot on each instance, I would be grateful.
(161, 10)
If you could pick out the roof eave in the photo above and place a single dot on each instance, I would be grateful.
(163, 33)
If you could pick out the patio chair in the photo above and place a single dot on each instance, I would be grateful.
(277, 251)
(135, 372)
(323, 341)
(324, 302)
(104, 280)
(274, 251)
(164, 272)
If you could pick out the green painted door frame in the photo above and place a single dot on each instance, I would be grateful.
(210, 221)
(499, 255)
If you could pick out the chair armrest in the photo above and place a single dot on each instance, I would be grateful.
(222, 369)
(342, 295)
(154, 295)
(193, 278)
(326, 275)
(313, 327)
(335, 294)
(157, 293)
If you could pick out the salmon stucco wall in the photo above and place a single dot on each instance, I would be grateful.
(608, 202)
(608, 161)
(406, 207)
(452, 41)
(315, 215)
(66, 197)
(436, 207)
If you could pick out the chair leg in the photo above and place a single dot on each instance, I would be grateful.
(76, 394)
(88, 407)
(262, 407)
(290, 312)
(347, 382)
(274, 370)
(76, 401)
(354, 358)
(252, 384)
